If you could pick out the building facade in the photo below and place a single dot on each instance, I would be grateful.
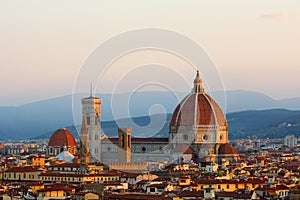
(197, 133)
(290, 141)
(91, 109)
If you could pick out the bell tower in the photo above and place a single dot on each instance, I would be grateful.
(84, 143)
(91, 109)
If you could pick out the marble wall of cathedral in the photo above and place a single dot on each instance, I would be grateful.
(139, 151)
(199, 134)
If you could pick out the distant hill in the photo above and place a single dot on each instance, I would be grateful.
(138, 124)
(241, 100)
(291, 103)
(35, 119)
(275, 123)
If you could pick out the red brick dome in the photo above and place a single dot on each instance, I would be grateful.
(198, 108)
(62, 138)
(227, 149)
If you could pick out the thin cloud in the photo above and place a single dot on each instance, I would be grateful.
(278, 16)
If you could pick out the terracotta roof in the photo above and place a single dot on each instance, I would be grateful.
(23, 169)
(73, 165)
(236, 195)
(207, 111)
(227, 149)
(230, 181)
(57, 174)
(137, 196)
(187, 193)
(61, 138)
(128, 175)
(112, 183)
(48, 189)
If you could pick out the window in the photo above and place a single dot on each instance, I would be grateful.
(227, 186)
(96, 120)
(88, 120)
(128, 140)
(152, 189)
(185, 137)
(143, 149)
(122, 141)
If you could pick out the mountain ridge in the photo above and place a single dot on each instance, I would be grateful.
(37, 118)
(245, 124)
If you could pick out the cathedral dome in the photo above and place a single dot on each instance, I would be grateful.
(198, 108)
(227, 149)
(62, 138)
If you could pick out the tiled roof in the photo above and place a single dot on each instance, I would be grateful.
(227, 149)
(73, 165)
(24, 169)
(137, 196)
(230, 181)
(236, 195)
(207, 111)
(57, 174)
(62, 138)
(48, 189)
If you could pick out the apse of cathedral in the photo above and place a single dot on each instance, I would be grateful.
(197, 134)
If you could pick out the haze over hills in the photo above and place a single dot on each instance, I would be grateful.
(35, 119)
(274, 123)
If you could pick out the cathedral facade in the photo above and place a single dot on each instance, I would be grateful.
(197, 133)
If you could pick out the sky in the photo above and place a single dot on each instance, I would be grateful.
(254, 44)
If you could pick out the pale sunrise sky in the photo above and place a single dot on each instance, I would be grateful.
(255, 44)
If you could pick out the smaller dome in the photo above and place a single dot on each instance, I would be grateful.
(62, 138)
(227, 149)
